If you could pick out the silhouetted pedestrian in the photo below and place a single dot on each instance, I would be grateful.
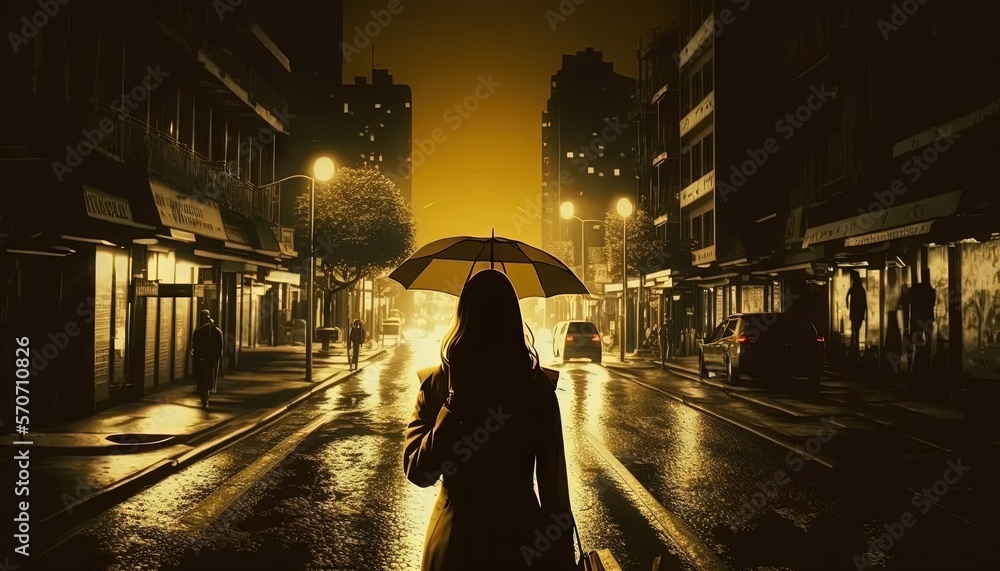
(922, 300)
(206, 349)
(356, 338)
(857, 305)
(487, 420)
(664, 342)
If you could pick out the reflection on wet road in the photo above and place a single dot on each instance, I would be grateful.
(338, 498)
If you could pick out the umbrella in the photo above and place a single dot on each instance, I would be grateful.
(445, 265)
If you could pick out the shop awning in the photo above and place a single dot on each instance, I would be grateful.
(237, 232)
(868, 223)
(265, 241)
(280, 277)
(184, 212)
(110, 208)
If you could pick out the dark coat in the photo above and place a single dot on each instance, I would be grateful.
(357, 335)
(206, 345)
(487, 515)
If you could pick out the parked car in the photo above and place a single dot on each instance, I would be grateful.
(576, 339)
(763, 345)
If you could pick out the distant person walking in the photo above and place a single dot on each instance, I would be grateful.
(206, 349)
(355, 338)
(922, 299)
(664, 342)
(857, 305)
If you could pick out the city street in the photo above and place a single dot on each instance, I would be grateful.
(323, 488)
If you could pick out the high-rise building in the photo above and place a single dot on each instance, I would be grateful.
(587, 155)
(377, 127)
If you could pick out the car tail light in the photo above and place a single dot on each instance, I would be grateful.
(820, 339)
(596, 338)
(569, 337)
(745, 339)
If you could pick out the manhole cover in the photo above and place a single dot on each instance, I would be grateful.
(139, 439)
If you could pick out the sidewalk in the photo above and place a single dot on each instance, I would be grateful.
(78, 468)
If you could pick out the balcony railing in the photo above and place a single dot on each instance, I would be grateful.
(179, 166)
(255, 90)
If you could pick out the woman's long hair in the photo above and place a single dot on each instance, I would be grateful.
(487, 334)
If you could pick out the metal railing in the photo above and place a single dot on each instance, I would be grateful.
(257, 90)
(179, 166)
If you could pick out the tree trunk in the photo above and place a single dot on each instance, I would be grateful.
(328, 304)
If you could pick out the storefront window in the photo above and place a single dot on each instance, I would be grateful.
(753, 299)
(981, 304)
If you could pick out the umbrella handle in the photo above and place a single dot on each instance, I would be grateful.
(493, 235)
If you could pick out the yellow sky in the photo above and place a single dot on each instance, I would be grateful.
(487, 161)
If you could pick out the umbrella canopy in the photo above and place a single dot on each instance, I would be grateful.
(445, 265)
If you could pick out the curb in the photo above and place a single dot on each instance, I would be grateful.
(175, 440)
(104, 498)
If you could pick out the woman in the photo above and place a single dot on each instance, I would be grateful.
(488, 432)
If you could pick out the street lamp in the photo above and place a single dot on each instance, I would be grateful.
(566, 210)
(323, 170)
(624, 207)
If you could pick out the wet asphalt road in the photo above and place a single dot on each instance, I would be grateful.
(339, 499)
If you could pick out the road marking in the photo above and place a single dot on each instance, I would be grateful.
(220, 500)
(703, 558)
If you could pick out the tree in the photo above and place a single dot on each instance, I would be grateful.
(644, 249)
(362, 228)
(564, 252)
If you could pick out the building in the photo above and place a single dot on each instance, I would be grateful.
(132, 176)
(860, 150)
(910, 185)
(658, 175)
(588, 160)
(729, 181)
(377, 119)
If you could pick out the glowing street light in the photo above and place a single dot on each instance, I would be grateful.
(624, 207)
(567, 210)
(323, 170)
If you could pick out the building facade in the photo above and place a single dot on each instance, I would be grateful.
(856, 147)
(133, 170)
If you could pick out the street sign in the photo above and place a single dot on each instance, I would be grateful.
(141, 287)
(182, 290)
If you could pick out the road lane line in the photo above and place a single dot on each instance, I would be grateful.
(213, 506)
(703, 558)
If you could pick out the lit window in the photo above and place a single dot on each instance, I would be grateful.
(372, 137)
(594, 133)
(623, 155)
(347, 108)
(590, 170)
(545, 144)
(407, 104)
(569, 155)
(361, 134)
(380, 157)
(381, 124)
(600, 154)
(378, 105)
(579, 155)
(553, 84)
(388, 110)
(371, 158)
(618, 172)
(600, 174)
(362, 155)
